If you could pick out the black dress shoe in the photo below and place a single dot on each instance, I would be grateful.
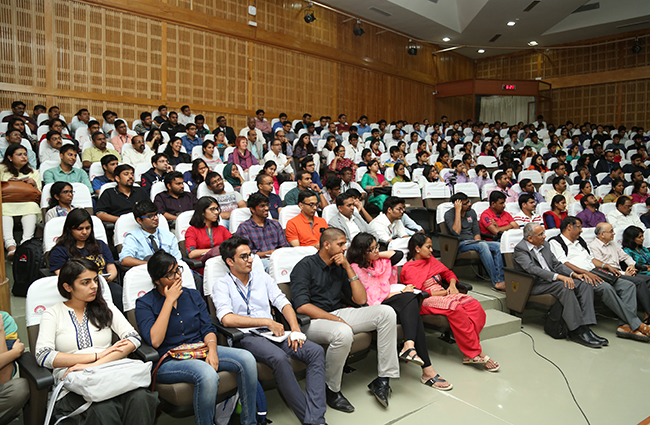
(584, 338)
(338, 402)
(600, 339)
(381, 390)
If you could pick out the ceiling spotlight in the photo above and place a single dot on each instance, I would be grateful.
(358, 30)
(481, 50)
(309, 15)
(446, 39)
(637, 47)
(533, 43)
(512, 23)
(412, 48)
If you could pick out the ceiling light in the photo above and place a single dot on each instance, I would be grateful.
(533, 43)
(481, 50)
(446, 39)
(358, 31)
(511, 23)
(412, 48)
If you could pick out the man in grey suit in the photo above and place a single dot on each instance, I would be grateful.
(349, 220)
(532, 255)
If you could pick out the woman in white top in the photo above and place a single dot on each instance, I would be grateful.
(77, 334)
(61, 194)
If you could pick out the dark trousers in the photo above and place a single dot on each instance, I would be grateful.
(407, 308)
(309, 407)
(642, 283)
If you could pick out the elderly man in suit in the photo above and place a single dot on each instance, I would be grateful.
(533, 255)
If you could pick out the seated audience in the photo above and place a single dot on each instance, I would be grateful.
(645, 218)
(637, 165)
(318, 295)
(309, 165)
(605, 164)
(186, 116)
(282, 163)
(263, 234)
(640, 192)
(109, 121)
(109, 164)
(458, 174)
(154, 139)
(170, 315)
(174, 200)
(388, 224)
(191, 140)
(146, 124)
(429, 175)
(461, 221)
(590, 215)
(620, 297)
(373, 183)
(120, 199)
(60, 205)
(585, 189)
(209, 155)
(537, 164)
(559, 188)
(14, 391)
(303, 148)
(349, 218)
(633, 240)
(305, 228)
(48, 150)
(241, 155)
(203, 237)
(66, 172)
(533, 256)
(528, 206)
(140, 154)
(141, 243)
(231, 175)
(97, 151)
(15, 167)
(77, 334)
(622, 216)
(121, 137)
(265, 186)
(558, 212)
(377, 272)
(465, 314)
(560, 171)
(18, 111)
(400, 174)
(194, 177)
(502, 180)
(174, 154)
(495, 220)
(618, 190)
(615, 174)
(228, 201)
(201, 129)
(227, 131)
(482, 177)
(332, 189)
(340, 161)
(304, 183)
(172, 126)
(157, 173)
(232, 310)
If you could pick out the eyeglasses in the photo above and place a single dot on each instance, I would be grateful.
(151, 216)
(373, 249)
(171, 275)
(68, 192)
(400, 209)
(247, 256)
(541, 234)
(311, 204)
(214, 209)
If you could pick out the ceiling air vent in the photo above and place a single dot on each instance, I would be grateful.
(530, 6)
(381, 12)
(633, 24)
(495, 38)
(587, 7)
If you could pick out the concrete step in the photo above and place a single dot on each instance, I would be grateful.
(489, 299)
(498, 324)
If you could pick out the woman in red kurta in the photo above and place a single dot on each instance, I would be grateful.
(465, 314)
(205, 234)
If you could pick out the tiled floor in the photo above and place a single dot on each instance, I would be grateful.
(609, 383)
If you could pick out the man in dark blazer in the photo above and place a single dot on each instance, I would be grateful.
(229, 132)
(532, 255)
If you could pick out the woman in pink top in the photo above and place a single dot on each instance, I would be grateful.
(465, 314)
(640, 192)
(377, 272)
(241, 155)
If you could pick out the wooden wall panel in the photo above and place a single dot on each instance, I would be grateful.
(30, 99)
(516, 66)
(581, 104)
(286, 18)
(22, 44)
(456, 108)
(453, 67)
(233, 10)
(636, 95)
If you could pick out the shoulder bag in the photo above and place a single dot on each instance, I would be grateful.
(198, 350)
(19, 191)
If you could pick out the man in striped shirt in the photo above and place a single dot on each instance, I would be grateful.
(527, 205)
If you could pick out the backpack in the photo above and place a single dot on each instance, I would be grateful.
(554, 325)
(28, 260)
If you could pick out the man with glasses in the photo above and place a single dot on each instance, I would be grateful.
(264, 235)
(141, 243)
(388, 224)
(66, 172)
(265, 187)
(228, 201)
(533, 256)
(349, 218)
(157, 173)
(463, 222)
(282, 163)
(242, 299)
(97, 151)
(305, 228)
(304, 183)
(622, 216)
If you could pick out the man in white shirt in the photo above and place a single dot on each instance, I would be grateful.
(283, 164)
(353, 150)
(52, 148)
(559, 188)
(186, 116)
(622, 216)
(569, 248)
(250, 125)
(140, 154)
(527, 205)
(388, 225)
(348, 219)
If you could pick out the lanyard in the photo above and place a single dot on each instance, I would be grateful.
(246, 298)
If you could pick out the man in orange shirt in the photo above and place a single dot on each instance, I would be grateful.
(305, 228)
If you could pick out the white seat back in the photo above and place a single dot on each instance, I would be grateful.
(534, 175)
(283, 260)
(140, 169)
(510, 239)
(479, 207)
(406, 190)
(216, 268)
(470, 189)
(183, 167)
(182, 224)
(96, 170)
(441, 210)
(286, 187)
(436, 190)
(602, 190)
(137, 283)
(46, 165)
(607, 208)
(574, 208)
(588, 234)
(400, 244)
(639, 209)
(237, 217)
(287, 213)
(329, 212)
(156, 188)
(247, 189)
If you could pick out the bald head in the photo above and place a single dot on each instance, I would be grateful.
(330, 235)
(535, 234)
(604, 232)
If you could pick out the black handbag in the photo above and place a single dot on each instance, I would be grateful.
(554, 325)
(383, 190)
(605, 275)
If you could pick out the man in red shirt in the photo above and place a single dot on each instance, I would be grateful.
(495, 220)
(305, 228)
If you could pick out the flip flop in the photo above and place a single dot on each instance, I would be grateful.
(494, 369)
(405, 356)
(431, 382)
(480, 361)
(626, 332)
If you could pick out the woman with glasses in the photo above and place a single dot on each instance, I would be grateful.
(61, 195)
(205, 234)
(377, 272)
(170, 315)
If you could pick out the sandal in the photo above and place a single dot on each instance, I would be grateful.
(431, 382)
(626, 332)
(405, 356)
(488, 360)
(476, 360)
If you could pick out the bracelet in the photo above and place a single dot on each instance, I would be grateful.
(352, 279)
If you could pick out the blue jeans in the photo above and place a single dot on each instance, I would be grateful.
(490, 253)
(206, 382)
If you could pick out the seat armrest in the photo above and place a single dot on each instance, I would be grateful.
(146, 353)
(233, 333)
(39, 376)
(303, 319)
(518, 287)
(193, 263)
(448, 249)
